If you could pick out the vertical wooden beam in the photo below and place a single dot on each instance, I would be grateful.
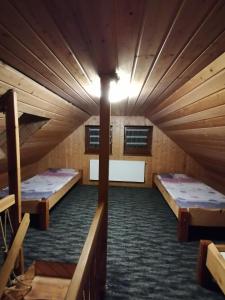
(203, 275)
(103, 179)
(183, 225)
(104, 139)
(9, 106)
(13, 154)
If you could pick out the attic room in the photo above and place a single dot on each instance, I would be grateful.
(112, 142)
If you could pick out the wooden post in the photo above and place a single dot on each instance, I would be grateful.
(13, 154)
(9, 106)
(104, 139)
(43, 214)
(183, 225)
(103, 180)
(203, 275)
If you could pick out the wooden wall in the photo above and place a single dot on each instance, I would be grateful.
(36, 100)
(194, 117)
(167, 156)
(26, 172)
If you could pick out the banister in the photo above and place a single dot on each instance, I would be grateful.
(6, 202)
(84, 265)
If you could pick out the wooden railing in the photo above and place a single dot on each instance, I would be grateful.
(15, 248)
(6, 202)
(88, 282)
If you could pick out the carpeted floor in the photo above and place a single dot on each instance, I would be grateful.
(145, 261)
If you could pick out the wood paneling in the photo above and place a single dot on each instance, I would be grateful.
(166, 157)
(194, 117)
(37, 48)
(158, 45)
(26, 172)
(37, 100)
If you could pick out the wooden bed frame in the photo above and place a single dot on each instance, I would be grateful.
(191, 216)
(211, 264)
(42, 207)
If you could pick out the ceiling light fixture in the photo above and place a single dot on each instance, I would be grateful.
(119, 88)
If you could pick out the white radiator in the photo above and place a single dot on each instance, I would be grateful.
(120, 170)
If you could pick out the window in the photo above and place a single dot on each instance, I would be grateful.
(92, 140)
(138, 140)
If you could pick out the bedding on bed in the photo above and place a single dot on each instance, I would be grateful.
(43, 185)
(188, 192)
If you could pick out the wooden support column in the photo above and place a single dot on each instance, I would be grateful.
(103, 179)
(104, 139)
(13, 154)
(183, 225)
(203, 275)
(9, 107)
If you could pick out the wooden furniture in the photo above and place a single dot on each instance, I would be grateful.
(191, 216)
(211, 264)
(42, 207)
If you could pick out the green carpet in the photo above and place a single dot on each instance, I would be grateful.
(145, 261)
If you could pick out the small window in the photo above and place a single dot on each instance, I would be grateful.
(92, 139)
(138, 140)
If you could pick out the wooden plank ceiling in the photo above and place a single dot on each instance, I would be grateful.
(35, 100)
(158, 45)
(194, 116)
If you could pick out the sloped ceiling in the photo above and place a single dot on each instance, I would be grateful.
(158, 44)
(194, 116)
(36, 100)
(65, 45)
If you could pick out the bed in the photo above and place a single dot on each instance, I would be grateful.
(193, 202)
(41, 192)
(211, 264)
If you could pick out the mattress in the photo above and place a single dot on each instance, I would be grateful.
(43, 185)
(188, 192)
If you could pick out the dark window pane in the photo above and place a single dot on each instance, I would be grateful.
(92, 139)
(138, 140)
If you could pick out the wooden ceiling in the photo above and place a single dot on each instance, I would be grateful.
(61, 117)
(194, 116)
(65, 45)
(169, 52)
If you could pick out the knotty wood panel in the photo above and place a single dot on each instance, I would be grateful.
(194, 117)
(197, 49)
(166, 157)
(152, 35)
(26, 172)
(158, 45)
(37, 100)
(176, 40)
(39, 48)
